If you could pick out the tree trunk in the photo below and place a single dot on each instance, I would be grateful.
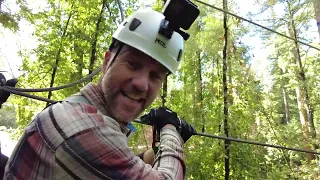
(58, 55)
(200, 95)
(164, 91)
(225, 95)
(233, 92)
(286, 118)
(95, 37)
(305, 109)
(304, 121)
(80, 63)
(286, 106)
(121, 9)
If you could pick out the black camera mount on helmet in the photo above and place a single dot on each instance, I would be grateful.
(178, 14)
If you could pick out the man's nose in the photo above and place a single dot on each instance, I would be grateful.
(141, 82)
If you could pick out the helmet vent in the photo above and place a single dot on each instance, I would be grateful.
(179, 55)
(134, 24)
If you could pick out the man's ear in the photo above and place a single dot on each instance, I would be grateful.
(107, 59)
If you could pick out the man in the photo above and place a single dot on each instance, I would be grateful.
(85, 136)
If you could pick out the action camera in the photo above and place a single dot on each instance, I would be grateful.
(179, 14)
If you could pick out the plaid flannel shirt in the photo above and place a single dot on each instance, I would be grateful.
(75, 140)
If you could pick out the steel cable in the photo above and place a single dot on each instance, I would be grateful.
(20, 91)
(248, 142)
(198, 134)
(263, 27)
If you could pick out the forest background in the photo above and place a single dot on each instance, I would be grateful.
(236, 79)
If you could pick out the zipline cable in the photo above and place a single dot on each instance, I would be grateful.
(57, 87)
(248, 142)
(263, 27)
(20, 91)
(258, 143)
(89, 77)
(13, 91)
(99, 69)
(198, 134)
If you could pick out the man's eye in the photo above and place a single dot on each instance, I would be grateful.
(156, 76)
(133, 65)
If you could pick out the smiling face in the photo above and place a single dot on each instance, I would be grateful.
(131, 83)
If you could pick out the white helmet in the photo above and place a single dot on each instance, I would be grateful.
(141, 31)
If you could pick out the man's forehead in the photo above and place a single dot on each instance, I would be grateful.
(131, 51)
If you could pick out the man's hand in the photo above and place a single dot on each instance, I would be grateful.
(147, 156)
(4, 95)
(187, 130)
(162, 116)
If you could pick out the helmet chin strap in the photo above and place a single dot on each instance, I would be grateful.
(117, 53)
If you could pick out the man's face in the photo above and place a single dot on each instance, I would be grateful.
(131, 83)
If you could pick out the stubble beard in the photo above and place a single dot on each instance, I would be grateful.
(111, 104)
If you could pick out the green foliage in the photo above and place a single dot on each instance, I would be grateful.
(158, 5)
(68, 34)
(8, 117)
(7, 20)
(73, 36)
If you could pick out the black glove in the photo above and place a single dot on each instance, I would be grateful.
(187, 130)
(4, 95)
(162, 116)
(2, 80)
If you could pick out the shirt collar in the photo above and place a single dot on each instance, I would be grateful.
(94, 95)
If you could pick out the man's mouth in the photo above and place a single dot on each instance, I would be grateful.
(131, 96)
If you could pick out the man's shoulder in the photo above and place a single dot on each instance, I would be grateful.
(63, 120)
(76, 107)
(64, 112)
